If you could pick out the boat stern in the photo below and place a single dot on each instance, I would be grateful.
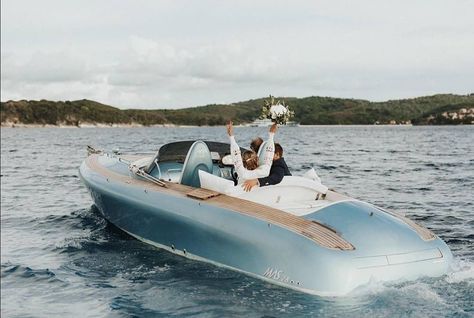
(387, 247)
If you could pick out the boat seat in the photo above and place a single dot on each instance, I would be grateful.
(215, 183)
(303, 182)
(290, 189)
(198, 158)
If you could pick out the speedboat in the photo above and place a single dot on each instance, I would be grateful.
(298, 234)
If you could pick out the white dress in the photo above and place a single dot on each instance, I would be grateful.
(262, 170)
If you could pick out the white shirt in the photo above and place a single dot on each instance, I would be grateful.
(262, 170)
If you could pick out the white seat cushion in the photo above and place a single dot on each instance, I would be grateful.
(303, 182)
(311, 174)
(214, 183)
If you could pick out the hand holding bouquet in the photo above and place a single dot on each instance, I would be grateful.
(277, 111)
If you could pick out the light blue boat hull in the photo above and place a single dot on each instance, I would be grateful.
(386, 248)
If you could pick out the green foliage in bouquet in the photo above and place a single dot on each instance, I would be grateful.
(276, 111)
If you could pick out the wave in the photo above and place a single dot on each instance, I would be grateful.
(462, 271)
(26, 272)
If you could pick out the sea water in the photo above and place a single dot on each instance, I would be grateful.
(61, 258)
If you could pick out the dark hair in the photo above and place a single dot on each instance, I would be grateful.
(278, 149)
(256, 143)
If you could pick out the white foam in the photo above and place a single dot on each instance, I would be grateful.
(462, 270)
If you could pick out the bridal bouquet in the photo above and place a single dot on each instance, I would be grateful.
(277, 111)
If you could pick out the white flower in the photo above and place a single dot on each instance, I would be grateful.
(278, 110)
(278, 113)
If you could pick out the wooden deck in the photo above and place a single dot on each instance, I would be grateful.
(423, 232)
(313, 230)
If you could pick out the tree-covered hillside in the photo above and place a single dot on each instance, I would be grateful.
(308, 111)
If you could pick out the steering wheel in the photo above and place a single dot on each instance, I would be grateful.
(234, 175)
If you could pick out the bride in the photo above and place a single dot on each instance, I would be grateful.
(247, 164)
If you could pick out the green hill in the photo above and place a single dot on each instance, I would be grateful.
(308, 111)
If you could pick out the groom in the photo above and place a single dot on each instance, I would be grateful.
(278, 170)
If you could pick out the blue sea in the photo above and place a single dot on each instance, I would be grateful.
(60, 258)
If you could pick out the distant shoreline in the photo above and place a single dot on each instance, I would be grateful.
(444, 109)
(105, 126)
(85, 125)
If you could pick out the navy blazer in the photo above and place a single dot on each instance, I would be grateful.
(278, 170)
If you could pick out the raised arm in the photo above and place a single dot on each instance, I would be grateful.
(269, 149)
(235, 151)
(262, 170)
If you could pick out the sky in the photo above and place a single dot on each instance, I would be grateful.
(182, 53)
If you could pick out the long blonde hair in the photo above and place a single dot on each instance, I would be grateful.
(250, 160)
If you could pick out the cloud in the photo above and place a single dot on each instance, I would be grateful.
(229, 62)
(173, 54)
(46, 67)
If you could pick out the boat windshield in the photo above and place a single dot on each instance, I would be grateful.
(177, 151)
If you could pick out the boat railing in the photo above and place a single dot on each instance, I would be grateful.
(138, 168)
(140, 172)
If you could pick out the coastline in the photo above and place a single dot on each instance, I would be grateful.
(105, 126)
(84, 125)
(102, 125)
(137, 125)
(443, 109)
